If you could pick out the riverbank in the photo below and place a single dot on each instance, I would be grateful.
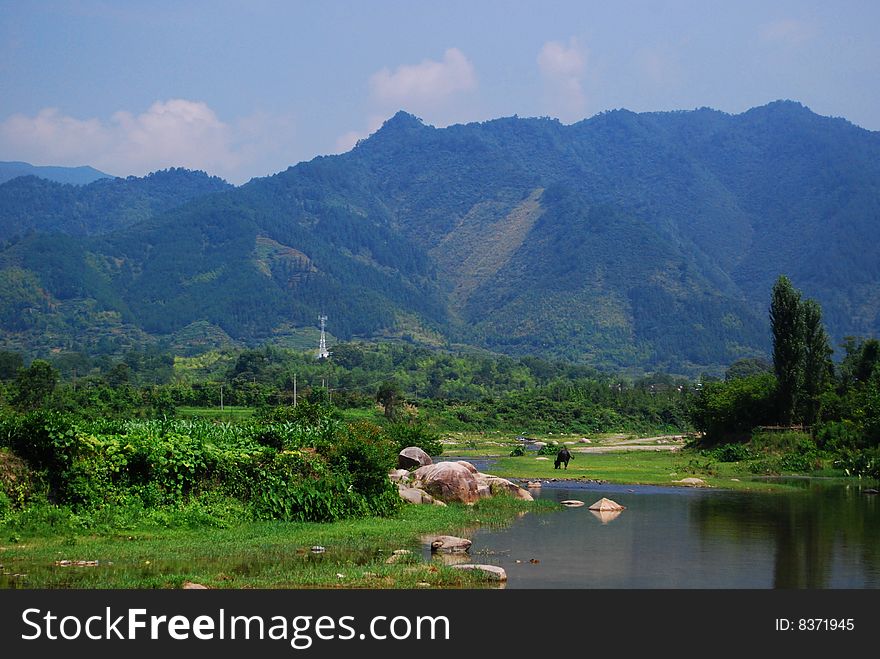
(211, 542)
(49, 548)
(624, 459)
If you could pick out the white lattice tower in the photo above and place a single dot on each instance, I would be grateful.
(322, 346)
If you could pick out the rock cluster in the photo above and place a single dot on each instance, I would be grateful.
(447, 482)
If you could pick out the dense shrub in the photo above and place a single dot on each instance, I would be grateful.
(319, 472)
(16, 481)
(405, 434)
(731, 453)
(728, 411)
(550, 448)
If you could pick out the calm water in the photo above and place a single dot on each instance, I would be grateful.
(821, 536)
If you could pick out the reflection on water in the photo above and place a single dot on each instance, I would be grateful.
(822, 536)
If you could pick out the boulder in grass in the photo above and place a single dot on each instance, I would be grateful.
(693, 482)
(416, 495)
(412, 457)
(450, 544)
(499, 485)
(491, 572)
(448, 481)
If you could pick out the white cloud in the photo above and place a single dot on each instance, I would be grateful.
(788, 31)
(435, 91)
(417, 86)
(171, 133)
(563, 68)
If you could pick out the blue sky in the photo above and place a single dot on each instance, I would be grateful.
(243, 89)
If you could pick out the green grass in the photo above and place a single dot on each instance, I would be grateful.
(641, 468)
(244, 554)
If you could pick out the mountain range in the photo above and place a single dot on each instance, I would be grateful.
(646, 240)
(73, 175)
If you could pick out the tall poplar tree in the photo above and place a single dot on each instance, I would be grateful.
(818, 369)
(786, 324)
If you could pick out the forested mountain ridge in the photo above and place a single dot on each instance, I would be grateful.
(626, 239)
(74, 175)
(31, 204)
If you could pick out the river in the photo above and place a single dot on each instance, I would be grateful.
(822, 535)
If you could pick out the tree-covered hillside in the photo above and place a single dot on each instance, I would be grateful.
(30, 204)
(624, 240)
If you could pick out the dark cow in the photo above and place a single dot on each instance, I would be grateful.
(562, 458)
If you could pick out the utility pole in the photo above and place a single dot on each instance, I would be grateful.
(221, 397)
(294, 389)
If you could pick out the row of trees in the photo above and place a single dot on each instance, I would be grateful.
(801, 354)
(839, 404)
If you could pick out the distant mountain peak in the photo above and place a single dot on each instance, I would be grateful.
(403, 120)
(72, 175)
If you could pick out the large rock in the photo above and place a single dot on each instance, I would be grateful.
(417, 496)
(499, 485)
(467, 465)
(693, 482)
(398, 475)
(607, 505)
(448, 481)
(450, 544)
(413, 457)
(491, 572)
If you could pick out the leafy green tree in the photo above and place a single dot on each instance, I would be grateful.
(744, 368)
(786, 324)
(818, 370)
(118, 375)
(34, 385)
(389, 396)
(729, 411)
(861, 360)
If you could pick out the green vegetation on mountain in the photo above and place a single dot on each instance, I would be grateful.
(30, 204)
(640, 241)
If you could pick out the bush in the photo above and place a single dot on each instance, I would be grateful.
(839, 436)
(783, 442)
(364, 453)
(16, 480)
(862, 464)
(730, 453)
(728, 411)
(550, 448)
(517, 452)
(316, 472)
(414, 434)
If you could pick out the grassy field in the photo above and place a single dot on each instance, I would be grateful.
(638, 468)
(627, 459)
(248, 554)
